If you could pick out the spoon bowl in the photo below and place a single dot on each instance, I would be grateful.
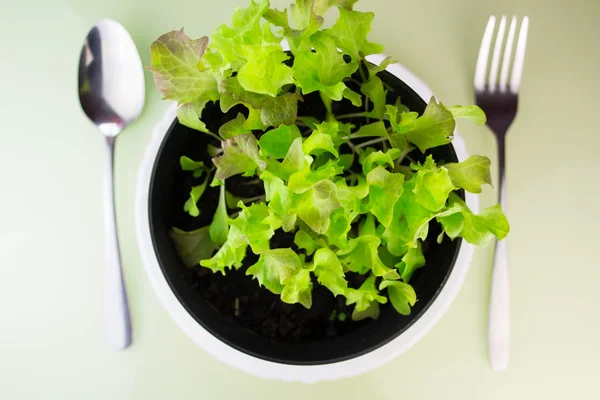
(111, 77)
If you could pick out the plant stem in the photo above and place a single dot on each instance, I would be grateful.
(219, 138)
(367, 102)
(356, 135)
(388, 87)
(300, 123)
(252, 182)
(253, 199)
(353, 147)
(370, 142)
(327, 102)
(353, 81)
(362, 72)
(352, 115)
(404, 154)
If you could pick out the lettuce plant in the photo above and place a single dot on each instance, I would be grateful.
(346, 191)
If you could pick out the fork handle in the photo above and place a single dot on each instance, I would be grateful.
(499, 312)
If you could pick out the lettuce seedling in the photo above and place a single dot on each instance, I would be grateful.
(346, 192)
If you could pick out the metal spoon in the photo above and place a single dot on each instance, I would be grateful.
(111, 92)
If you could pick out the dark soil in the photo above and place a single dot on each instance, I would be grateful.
(238, 296)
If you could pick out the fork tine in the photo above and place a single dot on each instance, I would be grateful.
(507, 54)
(494, 66)
(517, 71)
(484, 52)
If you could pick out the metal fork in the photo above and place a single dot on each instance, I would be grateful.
(498, 99)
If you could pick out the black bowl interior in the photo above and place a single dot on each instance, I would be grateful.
(168, 192)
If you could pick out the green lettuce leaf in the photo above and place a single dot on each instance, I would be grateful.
(374, 90)
(374, 69)
(263, 110)
(318, 142)
(227, 44)
(190, 205)
(412, 260)
(401, 123)
(294, 161)
(380, 158)
(264, 71)
(362, 256)
(472, 113)
(315, 205)
(367, 226)
(304, 17)
(346, 160)
(305, 241)
(274, 267)
(281, 272)
(178, 71)
(269, 35)
(322, 70)
(277, 142)
(335, 129)
(410, 221)
(279, 197)
(329, 271)
(280, 110)
(372, 311)
(253, 226)
(306, 178)
(276, 193)
(476, 229)
(230, 255)
(434, 128)
(385, 189)
(189, 115)
(240, 156)
(432, 185)
(187, 164)
(310, 122)
(321, 6)
(364, 297)
(402, 295)
(234, 127)
(471, 173)
(278, 18)
(339, 226)
(193, 246)
(298, 289)
(232, 93)
(354, 97)
(376, 129)
(219, 227)
(347, 199)
(350, 33)
(350, 197)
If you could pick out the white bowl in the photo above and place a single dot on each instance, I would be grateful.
(285, 372)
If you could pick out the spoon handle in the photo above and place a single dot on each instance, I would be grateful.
(117, 322)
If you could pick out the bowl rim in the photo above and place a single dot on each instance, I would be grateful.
(289, 372)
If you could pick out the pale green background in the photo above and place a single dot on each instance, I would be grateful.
(51, 251)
